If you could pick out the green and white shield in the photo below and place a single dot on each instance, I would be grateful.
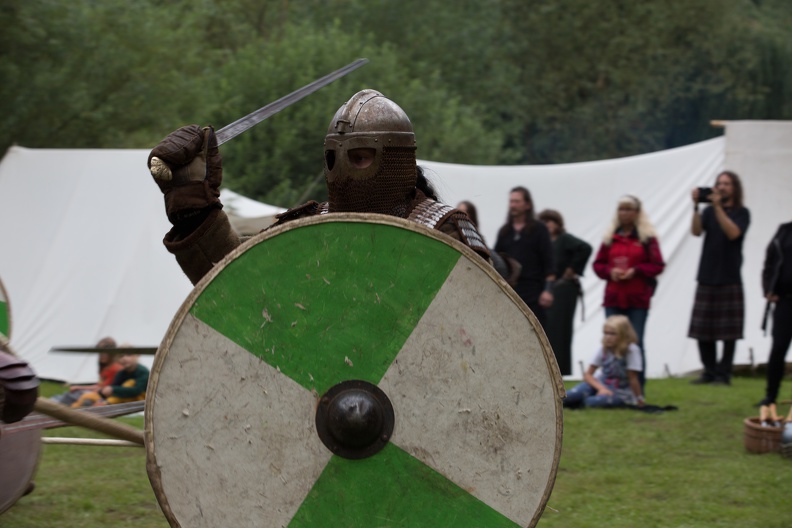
(238, 384)
(5, 313)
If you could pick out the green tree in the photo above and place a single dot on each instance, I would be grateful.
(94, 74)
(281, 158)
(493, 81)
(609, 79)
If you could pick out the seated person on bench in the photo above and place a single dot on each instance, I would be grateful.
(129, 385)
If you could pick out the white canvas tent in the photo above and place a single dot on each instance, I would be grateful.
(247, 216)
(82, 254)
(82, 257)
(586, 195)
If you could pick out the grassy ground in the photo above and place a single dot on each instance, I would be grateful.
(621, 468)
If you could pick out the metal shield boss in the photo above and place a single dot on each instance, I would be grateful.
(353, 370)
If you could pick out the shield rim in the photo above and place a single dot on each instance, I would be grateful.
(152, 469)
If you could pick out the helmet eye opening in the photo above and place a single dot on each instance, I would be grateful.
(361, 158)
(330, 159)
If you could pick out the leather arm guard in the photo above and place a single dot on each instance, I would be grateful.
(204, 246)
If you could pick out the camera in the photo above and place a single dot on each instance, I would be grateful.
(704, 194)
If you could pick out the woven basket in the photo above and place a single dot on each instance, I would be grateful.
(759, 439)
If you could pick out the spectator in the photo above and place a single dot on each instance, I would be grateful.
(618, 362)
(469, 209)
(629, 259)
(777, 286)
(128, 385)
(507, 267)
(528, 242)
(719, 308)
(570, 255)
(108, 368)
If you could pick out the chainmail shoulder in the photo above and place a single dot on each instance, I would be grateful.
(450, 221)
(429, 213)
(470, 234)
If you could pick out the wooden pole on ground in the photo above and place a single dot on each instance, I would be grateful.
(89, 421)
(88, 441)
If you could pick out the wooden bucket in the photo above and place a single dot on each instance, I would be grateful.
(759, 439)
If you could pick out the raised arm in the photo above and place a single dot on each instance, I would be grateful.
(187, 167)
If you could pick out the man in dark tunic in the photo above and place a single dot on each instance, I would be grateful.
(527, 241)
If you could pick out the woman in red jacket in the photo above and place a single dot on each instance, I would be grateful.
(630, 259)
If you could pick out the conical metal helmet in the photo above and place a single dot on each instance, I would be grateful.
(369, 120)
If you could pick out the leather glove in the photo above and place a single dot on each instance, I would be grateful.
(187, 167)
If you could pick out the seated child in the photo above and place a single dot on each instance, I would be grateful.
(618, 362)
(128, 385)
(108, 368)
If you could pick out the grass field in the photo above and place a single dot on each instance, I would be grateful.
(619, 468)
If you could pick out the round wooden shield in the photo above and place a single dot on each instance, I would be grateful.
(358, 371)
(19, 457)
(5, 313)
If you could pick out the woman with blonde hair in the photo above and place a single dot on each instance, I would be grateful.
(619, 363)
(629, 259)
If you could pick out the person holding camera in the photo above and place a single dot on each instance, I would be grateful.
(719, 307)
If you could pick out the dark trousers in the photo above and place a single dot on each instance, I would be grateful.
(782, 337)
(560, 322)
(714, 369)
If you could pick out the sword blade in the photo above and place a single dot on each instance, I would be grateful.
(125, 350)
(240, 125)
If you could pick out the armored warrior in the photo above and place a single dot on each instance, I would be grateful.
(369, 166)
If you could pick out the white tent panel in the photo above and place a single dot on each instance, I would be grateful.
(82, 255)
(586, 195)
(244, 207)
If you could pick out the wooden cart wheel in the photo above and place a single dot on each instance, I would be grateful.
(357, 371)
(19, 452)
(19, 457)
